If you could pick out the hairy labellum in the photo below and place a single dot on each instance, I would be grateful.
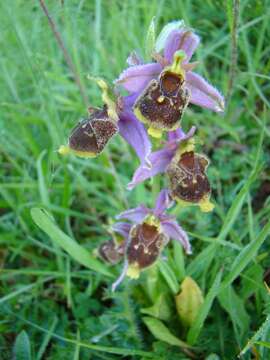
(90, 136)
(110, 252)
(145, 245)
(163, 102)
(188, 181)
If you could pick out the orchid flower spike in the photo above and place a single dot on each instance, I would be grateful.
(147, 232)
(168, 84)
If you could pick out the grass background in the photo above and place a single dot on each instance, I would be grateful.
(66, 309)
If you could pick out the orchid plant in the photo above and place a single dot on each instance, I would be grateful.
(158, 94)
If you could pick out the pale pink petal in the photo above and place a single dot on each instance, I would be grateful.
(174, 231)
(181, 39)
(121, 277)
(135, 78)
(135, 215)
(180, 135)
(159, 162)
(134, 132)
(163, 202)
(204, 94)
(128, 101)
(134, 59)
(122, 228)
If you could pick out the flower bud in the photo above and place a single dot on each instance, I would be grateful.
(144, 246)
(90, 136)
(162, 103)
(111, 252)
(188, 181)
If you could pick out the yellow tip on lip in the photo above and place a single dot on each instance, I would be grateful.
(133, 271)
(156, 133)
(206, 205)
(65, 150)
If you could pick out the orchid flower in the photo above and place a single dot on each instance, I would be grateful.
(185, 169)
(173, 51)
(146, 234)
(89, 138)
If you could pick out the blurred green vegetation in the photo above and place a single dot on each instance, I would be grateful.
(67, 310)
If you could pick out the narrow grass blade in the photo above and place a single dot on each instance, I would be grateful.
(23, 289)
(245, 256)
(43, 189)
(46, 339)
(76, 251)
(258, 335)
(239, 200)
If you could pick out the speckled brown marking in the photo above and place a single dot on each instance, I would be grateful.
(111, 252)
(163, 102)
(92, 134)
(145, 245)
(187, 177)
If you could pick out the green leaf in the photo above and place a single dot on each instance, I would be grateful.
(22, 348)
(196, 327)
(161, 332)
(179, 260)
(150, 39)
(160, 309)
(162, 37)
(169, 276)
(77, 252)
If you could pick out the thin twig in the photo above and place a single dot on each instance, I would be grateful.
(64, 50)
(234, 49)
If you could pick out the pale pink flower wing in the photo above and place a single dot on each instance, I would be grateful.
(181, 39)
(121, 277)
(175, 232)
(159, 161)
(203, 93)
(135, 78)
(134, 132)
(135, 215)
(163, 202)
(179, 135)
(122, 228)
